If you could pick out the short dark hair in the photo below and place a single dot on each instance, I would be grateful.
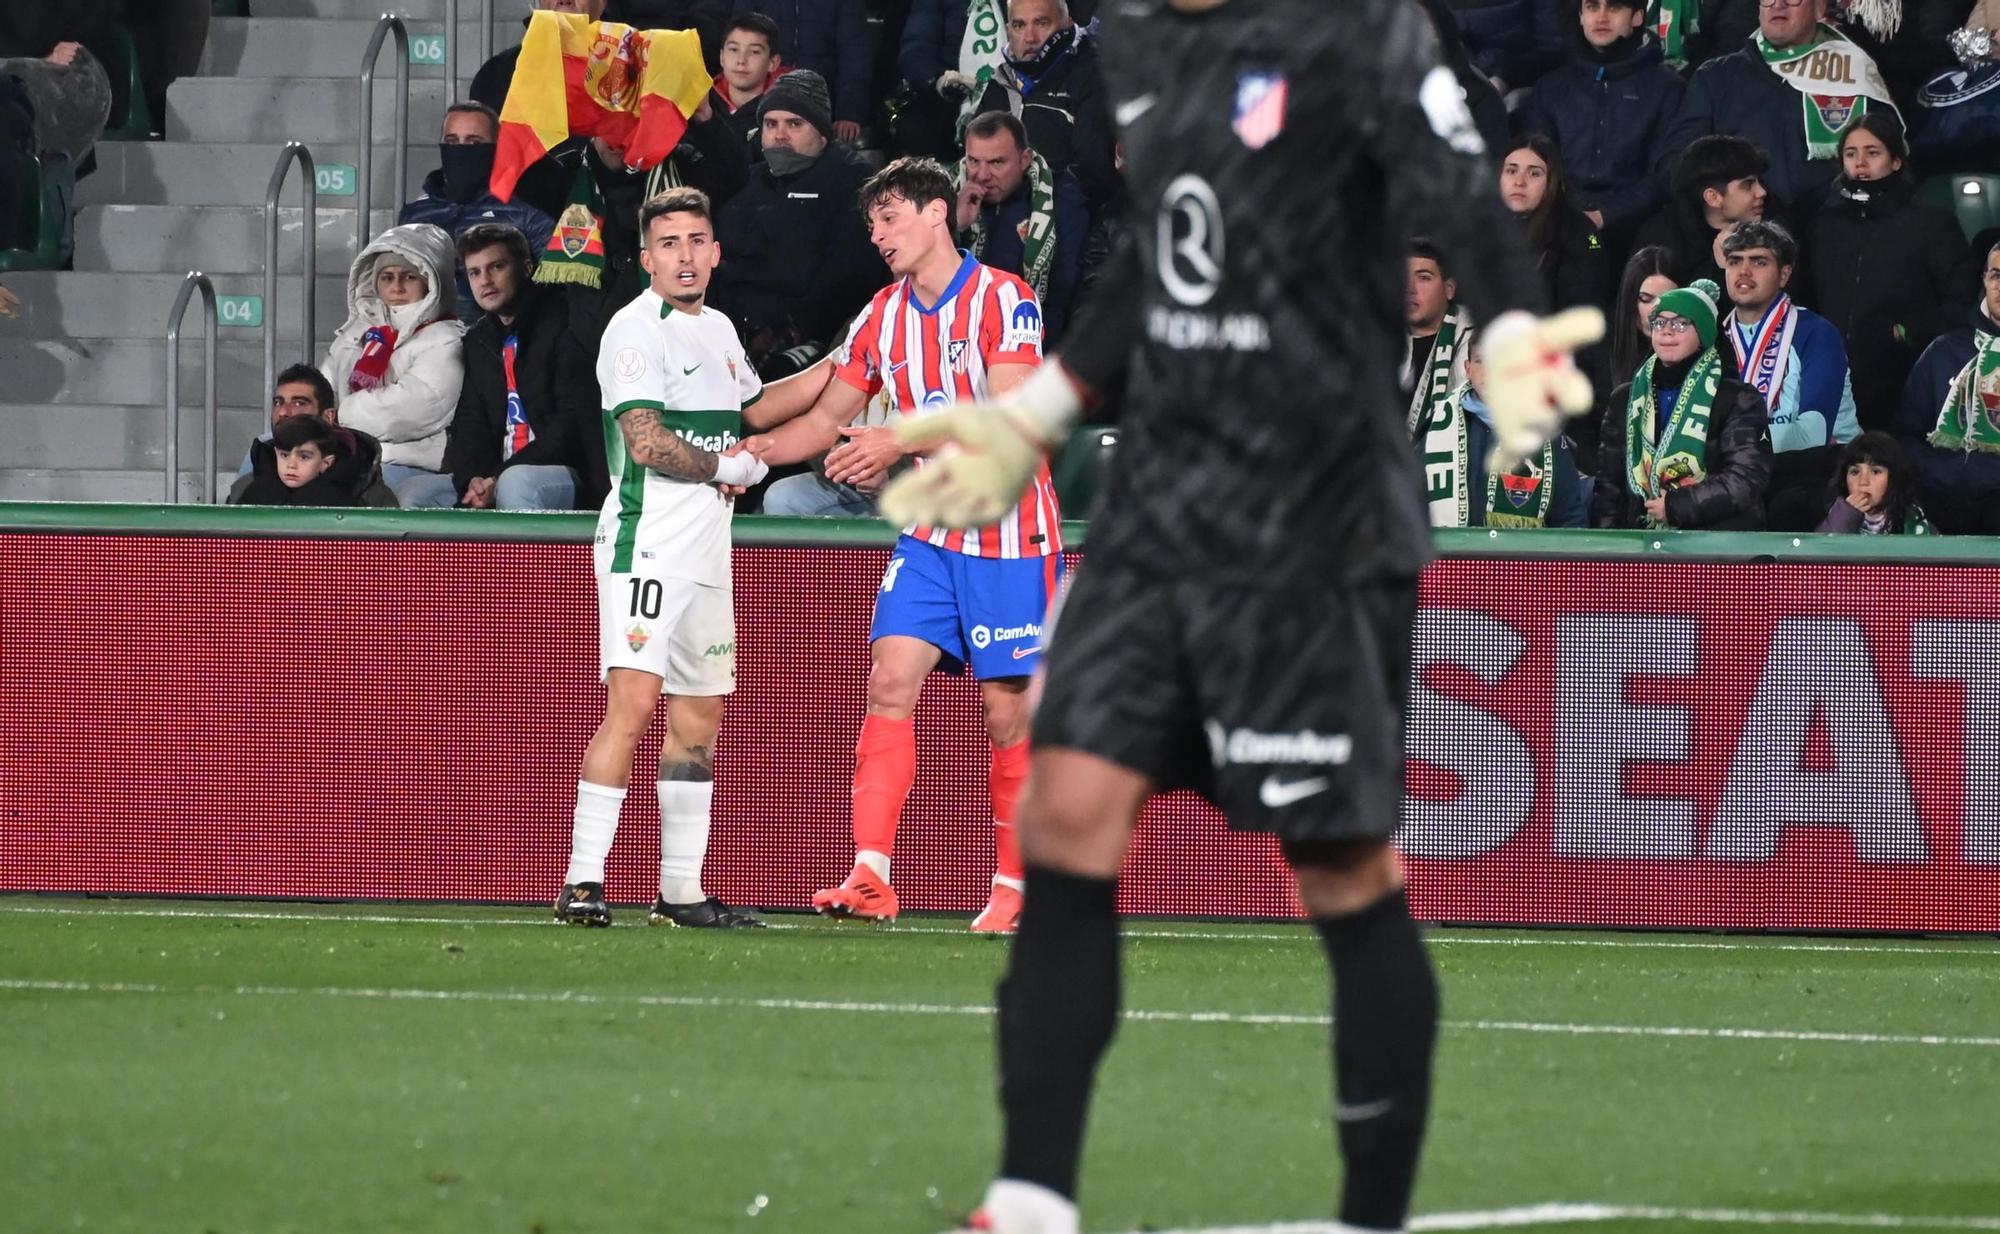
(482, 236)
(681, 200)
(1424, 246)
(306, 374)
(1762, 234)
(1715, 162)
(473, 107)
(918, 181)
(990, 124)
(296, 431)
(756, 23)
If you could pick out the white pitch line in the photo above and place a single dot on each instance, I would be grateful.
(1302, 934)
(1141, 1016)
(1581, 1214)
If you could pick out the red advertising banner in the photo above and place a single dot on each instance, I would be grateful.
(1664, 744)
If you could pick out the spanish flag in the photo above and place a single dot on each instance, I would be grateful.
(579, 78)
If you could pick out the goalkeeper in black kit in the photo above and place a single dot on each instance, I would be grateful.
(1242, 623)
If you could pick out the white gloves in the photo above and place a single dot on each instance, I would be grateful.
(741, 470)
(1532, 381)
(1002, 444)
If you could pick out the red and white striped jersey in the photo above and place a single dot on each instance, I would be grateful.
(929, 357)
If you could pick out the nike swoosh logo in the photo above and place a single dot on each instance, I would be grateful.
(1363, 1111)
(1022, 653)
(1276, 794)
(897, 368)
(1130, 111)
(688, 372)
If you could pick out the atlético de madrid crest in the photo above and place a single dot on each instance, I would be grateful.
(1260, 107)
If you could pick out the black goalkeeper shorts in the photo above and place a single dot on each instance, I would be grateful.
(1284, 707)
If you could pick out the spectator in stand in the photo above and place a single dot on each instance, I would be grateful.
(1874, 492)
(1796, 362)
(299, 466)
(709, 19)
(1685, 445)
(750, 66)
(930, 63)
(396, 362)
(796, 260)
(1891, 272)
(1790, 90)
(456, 196)
(1440, 337)
(1608, 111)
(1053, 80)
(1489, 110)
(1515, 42)
(1647, 277)
(1718, 183)
(1945, 421)
(528, 397)
(1565, 244)
(1017, 215)
(1544, 491)
(302, 390)
(830, 37)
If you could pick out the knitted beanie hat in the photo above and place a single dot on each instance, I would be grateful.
(1696, 302)
(803, 93)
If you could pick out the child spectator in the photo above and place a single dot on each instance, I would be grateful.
(1648, 276)
(298, 469)
(1874, 493)
(1545, 490)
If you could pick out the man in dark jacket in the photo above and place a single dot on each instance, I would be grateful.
(527, 402)
(1890, 272)
(1746, 94)
(796, 261)
(1608, 111)
(456, 196)
(356, 474)
(830, 37)
(1053, 81)
(1685, 380)
(1960, 480)
(1017, 215)
(1718, 183)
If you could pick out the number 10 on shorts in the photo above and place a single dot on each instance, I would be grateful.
(647, 596)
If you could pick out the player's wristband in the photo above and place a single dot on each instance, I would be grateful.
(741, 470)
(1047, 403)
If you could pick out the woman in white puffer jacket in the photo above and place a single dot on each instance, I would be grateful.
(396, 362)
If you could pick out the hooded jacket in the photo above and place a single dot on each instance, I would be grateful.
(1880, 259)
(1957, 487)
(1730, 496)
(411, 410)
(1610, 119)
(355, 479)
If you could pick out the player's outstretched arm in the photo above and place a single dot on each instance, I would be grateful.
(789, 398)
(656, 447)
(801, 436)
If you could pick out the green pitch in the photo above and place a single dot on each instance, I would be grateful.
(257, 1069)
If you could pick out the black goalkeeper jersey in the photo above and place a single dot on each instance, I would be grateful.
(1279, 156)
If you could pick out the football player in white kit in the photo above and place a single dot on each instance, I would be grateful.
(676, 388)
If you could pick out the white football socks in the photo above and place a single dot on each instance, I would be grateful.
(684, 808)
(1016, 1207)
(597, 809)
(878, 862)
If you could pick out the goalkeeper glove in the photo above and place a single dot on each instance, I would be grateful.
(1532, 380)
(1001, 443)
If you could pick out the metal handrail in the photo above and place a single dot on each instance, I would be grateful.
(195, 280)
(450, 52)
(485, 32)
(294, 152)
(387, 24)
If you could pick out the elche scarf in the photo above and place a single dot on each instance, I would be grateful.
(1038, 230)
(1432, 388)
(1764, 351)
(575, 254)
(1970, 418)
(1836, 82)
(1678, 457)
(1519, 499)
(1672, 21)
(371, 368)
(1523, 497)
(981, 52)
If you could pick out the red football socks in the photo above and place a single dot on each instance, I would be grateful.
(885, 767)
(1008, 774)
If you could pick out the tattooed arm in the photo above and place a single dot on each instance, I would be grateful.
(655, 446)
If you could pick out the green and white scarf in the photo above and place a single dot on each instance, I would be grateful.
(1431, 388)
(1038, 230)
(1672, 21)
(1521, 498)
(1836, 82)
(1970, 418)
(1524, 496)
(981, 52)
(1679, 456)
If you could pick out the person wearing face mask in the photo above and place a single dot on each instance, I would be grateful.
(396, 363)
(456, 196)
(1891, 272)
(1053, 80)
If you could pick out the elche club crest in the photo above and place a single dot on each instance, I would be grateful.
(1260, 107)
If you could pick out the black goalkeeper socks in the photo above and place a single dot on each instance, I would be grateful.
(1385, 1012)
(1058, 1009)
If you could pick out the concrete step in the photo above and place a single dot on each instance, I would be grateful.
(69, 304)
(213, 239)
(506, 14)
(129, 372)
(186, 173)
(327, 47)
(63, 484)
(312, 110)
(114, 438)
